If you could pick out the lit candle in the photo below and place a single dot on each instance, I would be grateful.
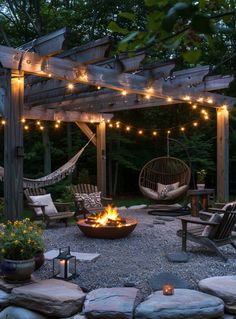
(62, 268)
(168, 289)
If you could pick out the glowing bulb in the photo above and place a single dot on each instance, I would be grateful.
(224, 107)
(148, 96)
(26, 127)
(49, 75)
(140, 132)
(58, 121)
(41, 127)
(57, 125)
(110, 125)
(118, 124)
(195, 124)
(150, 90)
(194, 106)
(209, 100)
(128, 128)
(23, 120)
(203, 111)
(186, 98)
(84, 77)
(200, 99)
(124, 92)
(38, 123)
(92, 121)
(70, 86)
(182, 129)
(108, 121)
(206, 117)
(168, 132)
(3, 122)
(154, 133)
(99, 87)
(169, 99)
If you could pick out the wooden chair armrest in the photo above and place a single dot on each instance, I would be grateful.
(63, 203)
(37, 205)
(196, 220)
(204, 215)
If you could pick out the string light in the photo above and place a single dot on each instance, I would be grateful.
(206, 117)
(124, 92)
(127, 128)
(108, 121)
(38, 123)
(23, 120)
(209, 100)
(70, 86)
(148, 96)
(84, 77)
(186, 98)
(195, 124)
(98, 87)
(150, 90)
(182, 129)
(169, 99)
(41, 128)
(26, 127)
(57, 125)
(110, 125)
(49, 75)
(3, 122)
(194, 106)
(200, 99)
(168, 132)
(154, 133)
(58, 121)
(117, 124)
(140, 132)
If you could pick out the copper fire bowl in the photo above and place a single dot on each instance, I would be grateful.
(107, 232)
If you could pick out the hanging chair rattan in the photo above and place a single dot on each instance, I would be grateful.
(166, 171)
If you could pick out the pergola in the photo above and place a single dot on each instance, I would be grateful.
(34, 86)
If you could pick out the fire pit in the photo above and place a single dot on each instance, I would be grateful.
(107, 224)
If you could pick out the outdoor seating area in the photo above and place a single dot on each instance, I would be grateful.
(102, 271)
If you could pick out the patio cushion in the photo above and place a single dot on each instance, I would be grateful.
(46, 199)
(90, 200)
(163, 190)
(150, 193)
(210, 230)
(177, 192)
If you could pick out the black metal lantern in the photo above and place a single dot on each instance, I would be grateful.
(64, 265)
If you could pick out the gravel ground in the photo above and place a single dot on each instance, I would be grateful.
(138, 257)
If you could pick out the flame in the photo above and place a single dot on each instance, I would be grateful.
(110, 213)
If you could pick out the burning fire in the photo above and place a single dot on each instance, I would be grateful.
(109, 217)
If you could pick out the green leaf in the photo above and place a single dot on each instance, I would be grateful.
(151, 3)
(154, 20)
(114, 27)
(201, 23)
(192, 56)
(127, 15)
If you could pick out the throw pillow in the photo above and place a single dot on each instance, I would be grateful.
(46, 199)
(91, 200)
(163, 190)
(177, 192)
(210, 230)
(150, 193)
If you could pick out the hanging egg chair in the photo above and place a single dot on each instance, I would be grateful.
(165, 180)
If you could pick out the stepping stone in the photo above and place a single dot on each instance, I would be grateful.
(20, 313)
(223, 287)
(183, 304)
(141, 206)
(7, 287)
(168, 219)
(83, 257)
(157, 281)
(178, 257)
(52, 297)
(4, 299)
(108, 303)
(158, 222)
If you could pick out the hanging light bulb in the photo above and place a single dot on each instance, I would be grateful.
(124, 92)
(209, 100)
(150, 90)
(41, 128)
(117, 124)
(140, 132)
(3, 122)
(26, 127)
(154, 133)
(110, 125)
(182, 129)
(49, 75)
(56, 125)
(23, 120)
(108, 121)
(168, 132)
(148, 96)
(127, 128)
(195, 124)
(70, 86)
(200, 99)
(38, 123)
(169, 99)
(206, 117)
(194, 106)
(98, 87)
(186, 98)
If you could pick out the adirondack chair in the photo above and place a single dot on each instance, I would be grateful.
(88, 199)
(218, 234)
(45, 209)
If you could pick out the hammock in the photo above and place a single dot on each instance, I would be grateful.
(55, 176)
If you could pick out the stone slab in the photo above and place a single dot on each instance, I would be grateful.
(183, 304)
(19, 313)
(157, 281)
(83, 257)
(141, 206)
(223, 287)
(177, 257)
(106, 303)
(4, 299)
(7, 287)
(51, 297)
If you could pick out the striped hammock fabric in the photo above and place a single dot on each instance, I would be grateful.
(55, 176)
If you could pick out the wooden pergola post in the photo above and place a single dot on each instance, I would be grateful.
(13, 144)
(101, 157)
(222, 154)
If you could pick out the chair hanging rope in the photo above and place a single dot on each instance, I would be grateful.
(55, 176)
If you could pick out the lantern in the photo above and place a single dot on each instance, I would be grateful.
(168, 289)
(64, 265)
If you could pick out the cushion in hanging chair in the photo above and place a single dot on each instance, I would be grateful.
(150, 193)
(176, 192)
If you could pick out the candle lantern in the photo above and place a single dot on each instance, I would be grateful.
(64, 265)
(168, 289)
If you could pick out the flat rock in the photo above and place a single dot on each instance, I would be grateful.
(161, 222)
(83, 257)
(184, 303)
(7, 287)
(228, 316)
(165, 218)
(77, 316)
(177, 257)
(19, 313)
(52, 297)
(223, 287)
(4, 299)
(107, 303)
(157, 281)
(141, 206)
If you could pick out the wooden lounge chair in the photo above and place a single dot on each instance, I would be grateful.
(219, 233)
(80, 199)
(49, 211)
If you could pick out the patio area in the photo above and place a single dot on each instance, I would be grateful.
(138, 257)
